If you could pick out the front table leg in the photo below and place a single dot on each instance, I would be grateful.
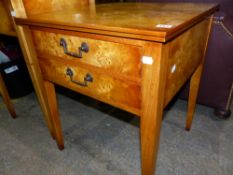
(52, 102)
(153, 85)
(150, 133)
(26, 43)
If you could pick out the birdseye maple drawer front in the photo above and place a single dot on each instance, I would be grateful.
(92, 82)
(118, 57)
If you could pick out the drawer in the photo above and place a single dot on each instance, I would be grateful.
(92, 82)
(122, 58)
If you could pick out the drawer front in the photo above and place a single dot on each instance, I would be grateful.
(119, 93)
(118, 57)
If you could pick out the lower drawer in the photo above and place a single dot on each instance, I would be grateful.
(90, 82)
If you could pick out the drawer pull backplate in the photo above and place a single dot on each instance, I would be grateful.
(83, 48)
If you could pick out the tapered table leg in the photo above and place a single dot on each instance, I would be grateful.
(51, 96)
(150, 134)
(193, 92)
(195, 82)
(6, 98)
(152, 107)
(26, 43)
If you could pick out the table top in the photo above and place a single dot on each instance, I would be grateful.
(153, 21)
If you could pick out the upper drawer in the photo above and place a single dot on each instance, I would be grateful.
(121, 58)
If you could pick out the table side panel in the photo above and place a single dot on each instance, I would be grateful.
(185, 54)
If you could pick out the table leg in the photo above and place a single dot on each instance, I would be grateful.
(52, 101)
(6, 98)
(26, 43)
(152, 106)
(193, 92)
(195, 82)
(150, 133)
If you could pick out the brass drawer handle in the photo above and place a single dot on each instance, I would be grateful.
(87, 78)
(83, 48)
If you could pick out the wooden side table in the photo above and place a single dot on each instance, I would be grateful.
(134, 56)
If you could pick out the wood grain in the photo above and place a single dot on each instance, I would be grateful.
(34, 7)
(185, 54)
(122, 58)
(104, 87)
(131, 20)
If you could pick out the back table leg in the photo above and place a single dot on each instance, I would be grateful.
(6, 98)
(193, 92)
(195, 82)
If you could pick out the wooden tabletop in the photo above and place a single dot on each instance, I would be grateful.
(151, 21)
